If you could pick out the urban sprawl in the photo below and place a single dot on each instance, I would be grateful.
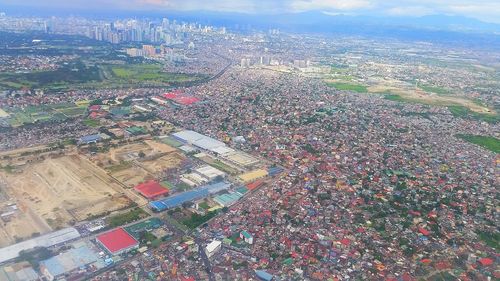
(163, 150)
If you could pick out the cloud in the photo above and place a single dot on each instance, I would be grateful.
(339, 5)
(481, 9)
(413, 11)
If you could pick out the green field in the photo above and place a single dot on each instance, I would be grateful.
(196, 220)
(41, 113)
(59, 79)
(130, 216)
(490, 143)
(464, 112)
(147, 73)
(435, 89)
(92, 123)
(348, 87)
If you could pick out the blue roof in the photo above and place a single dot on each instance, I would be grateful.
(263, 275)
(195, 194)
(274, 171)
(70, 260)
(90, 138)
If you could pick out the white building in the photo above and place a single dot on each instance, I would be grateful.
(213, 248)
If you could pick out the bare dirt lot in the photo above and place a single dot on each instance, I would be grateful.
(134, 163)
(58, 191)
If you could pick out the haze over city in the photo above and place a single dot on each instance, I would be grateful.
(249, 140)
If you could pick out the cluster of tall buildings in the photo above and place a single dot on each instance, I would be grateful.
(166, 31)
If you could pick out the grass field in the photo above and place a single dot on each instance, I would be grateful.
(464, 112)
(348, 87)
(92, 123)
(147, 73)
(128, 217)
(490, 143)
(435, 89)
(62, 78)
(42, 113)
(196, 220)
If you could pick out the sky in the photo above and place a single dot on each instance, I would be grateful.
(485, 10)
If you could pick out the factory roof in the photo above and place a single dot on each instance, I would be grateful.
(47, 240)
(70, 260)
(198, 140)
(253, 175)
(117, 240)
(151, 189)
(195, 194)
(209, 172)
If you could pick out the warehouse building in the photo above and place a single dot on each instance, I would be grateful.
(117, 241)
(21, 271)
(188, 196)
(198, 140)
(151, 189)
(227, 199)
(252, 175)
(79, 257)
(210, 173)
(47, 240)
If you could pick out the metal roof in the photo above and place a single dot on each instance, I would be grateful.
(47, 240)
(195, 194)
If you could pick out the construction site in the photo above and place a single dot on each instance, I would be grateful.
(134, 163)
(55, 193)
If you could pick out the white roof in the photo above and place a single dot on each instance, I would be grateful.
(47, 240)
(209, 172)
(221, 150)
(213, 245)
(198, 139)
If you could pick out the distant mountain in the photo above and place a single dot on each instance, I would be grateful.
(314, 21)
(443, 29)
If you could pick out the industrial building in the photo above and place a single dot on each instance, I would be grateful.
(252, 175)
(191, 195)
(47, 240)
(227, 199)
(117, 241)
(210, 173)
(198, 140)
(18, 272)
(89, 139)
(151, 189)
(202, 175)
(79, 257)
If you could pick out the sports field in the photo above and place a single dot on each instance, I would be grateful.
(60, 191)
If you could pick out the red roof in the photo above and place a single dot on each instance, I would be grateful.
(424, 231)
(117, 240)
(255, 184)
(151, 189)
(171, 95)
(345, 241)
(94, 107)
(186, 100)
(486, 261)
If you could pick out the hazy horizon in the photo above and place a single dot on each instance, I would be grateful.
(484, 10)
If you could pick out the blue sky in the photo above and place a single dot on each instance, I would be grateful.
(486, 10)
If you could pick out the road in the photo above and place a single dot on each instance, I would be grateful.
(204, 257)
